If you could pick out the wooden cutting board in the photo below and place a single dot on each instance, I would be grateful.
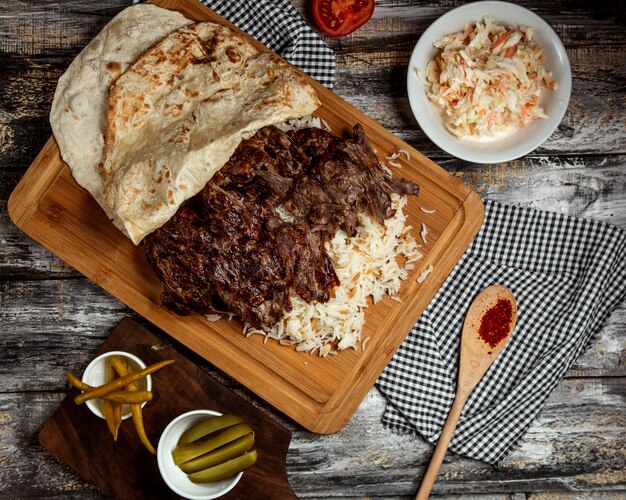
(319, 393)
(125, 469)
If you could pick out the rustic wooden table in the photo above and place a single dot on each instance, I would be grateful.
(53, 320)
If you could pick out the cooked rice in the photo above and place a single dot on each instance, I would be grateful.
(364, 343)
(369, 265)
(424, 274)
(386, 169)
(284, 215)
(390, 158)
(307, 121)
(398, 153)
(405, 153)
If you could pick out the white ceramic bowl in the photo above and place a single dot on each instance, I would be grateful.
(96, 374)
(175, 478)
(524, 140)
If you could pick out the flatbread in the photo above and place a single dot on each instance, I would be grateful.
(80, 104)
(179, 112)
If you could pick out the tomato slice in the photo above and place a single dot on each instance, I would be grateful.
(342, 17)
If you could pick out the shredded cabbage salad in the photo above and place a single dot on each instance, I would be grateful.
(488, 78)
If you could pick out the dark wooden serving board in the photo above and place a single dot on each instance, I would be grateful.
(125, 469)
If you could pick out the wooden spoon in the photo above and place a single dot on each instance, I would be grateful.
(475, 359)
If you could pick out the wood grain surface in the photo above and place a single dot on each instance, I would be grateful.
(52, 319)
(124, 468)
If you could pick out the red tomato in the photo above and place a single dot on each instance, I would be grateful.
(341, 17)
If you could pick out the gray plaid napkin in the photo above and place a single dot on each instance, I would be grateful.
(278, 26)
(567, 275)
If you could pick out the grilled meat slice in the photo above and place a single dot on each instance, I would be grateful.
(307, 264)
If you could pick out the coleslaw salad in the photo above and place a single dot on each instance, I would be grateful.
(487, 79)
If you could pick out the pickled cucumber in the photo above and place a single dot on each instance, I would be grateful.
(189, 451)
(220, 455)
(208, 426)
(225, 470)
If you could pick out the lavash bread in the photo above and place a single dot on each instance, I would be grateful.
(179, 112)
(80, 104)
(155, 105)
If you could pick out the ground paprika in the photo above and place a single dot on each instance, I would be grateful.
(496, 322)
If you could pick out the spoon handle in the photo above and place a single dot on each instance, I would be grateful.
(442, 446)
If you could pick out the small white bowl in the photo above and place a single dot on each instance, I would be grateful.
(175, 478)
(96, 374)
(522, 141)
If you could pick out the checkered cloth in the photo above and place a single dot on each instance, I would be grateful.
(277, 25)
(567, 275)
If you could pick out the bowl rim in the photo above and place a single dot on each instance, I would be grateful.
(91, 404)
(163, 455)
(465, 151)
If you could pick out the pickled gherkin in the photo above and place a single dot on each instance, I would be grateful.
(225, 470)
(189, 451)
(220, 455)
(215, 448)
(208, 426)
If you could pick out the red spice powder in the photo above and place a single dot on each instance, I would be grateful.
(495, 324)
